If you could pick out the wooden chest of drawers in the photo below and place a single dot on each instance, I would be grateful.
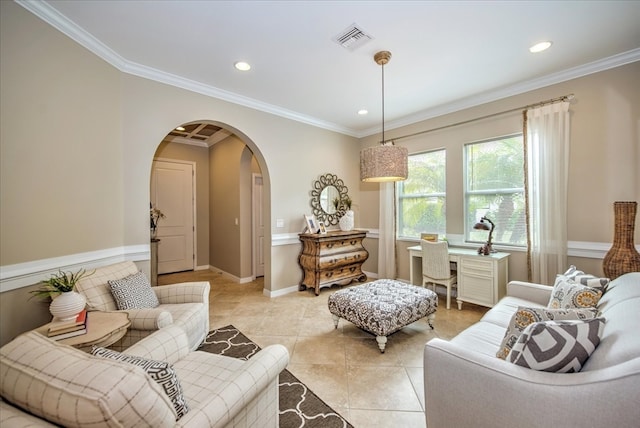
(332, 258)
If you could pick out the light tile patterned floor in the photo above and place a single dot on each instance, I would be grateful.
(343, 366)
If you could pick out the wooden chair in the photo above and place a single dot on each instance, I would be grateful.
(436, 268)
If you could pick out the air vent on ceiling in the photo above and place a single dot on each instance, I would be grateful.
(352, 37)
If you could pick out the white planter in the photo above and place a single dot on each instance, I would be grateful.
(67, 305)
(347, 221)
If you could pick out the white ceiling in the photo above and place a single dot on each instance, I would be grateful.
(447, 55)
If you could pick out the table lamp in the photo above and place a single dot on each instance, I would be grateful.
(481, 225)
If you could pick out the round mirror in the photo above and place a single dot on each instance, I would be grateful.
(328, 198)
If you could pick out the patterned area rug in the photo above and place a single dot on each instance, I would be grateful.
(299, 406)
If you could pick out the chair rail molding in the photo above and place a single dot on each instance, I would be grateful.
(29, 273)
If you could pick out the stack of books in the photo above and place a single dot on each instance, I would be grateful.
(59, 330)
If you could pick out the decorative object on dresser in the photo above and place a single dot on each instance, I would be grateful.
(623, 256)
(329, 199)
(332, 258)
(66, 303)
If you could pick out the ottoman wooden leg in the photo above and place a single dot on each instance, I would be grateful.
(430, 319)
(335, 320)
(382, 342)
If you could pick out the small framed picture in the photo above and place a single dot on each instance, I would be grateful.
(312, 224)
(323, 229)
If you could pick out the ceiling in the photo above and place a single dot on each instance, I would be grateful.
(446, 55)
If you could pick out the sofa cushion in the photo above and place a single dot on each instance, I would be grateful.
(160, 371)
(133, 292)
(524, 316)
(95, 287)
(557, 346)
(71, 388)
(567, 294)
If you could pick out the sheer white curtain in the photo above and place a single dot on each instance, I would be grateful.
(386, 232)
(547, 150)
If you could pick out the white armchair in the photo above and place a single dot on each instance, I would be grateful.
(185, 305)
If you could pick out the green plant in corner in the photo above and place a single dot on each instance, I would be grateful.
(61, 282)
(336, 203)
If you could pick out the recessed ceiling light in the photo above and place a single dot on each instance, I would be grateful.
(539, 47)
(242, 66)
(180, 128)
(363, 112)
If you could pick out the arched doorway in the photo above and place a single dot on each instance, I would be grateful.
(226, 163)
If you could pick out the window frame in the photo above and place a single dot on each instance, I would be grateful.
(499, 191)
(401, 195)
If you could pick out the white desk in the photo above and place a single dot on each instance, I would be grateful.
(481, 279)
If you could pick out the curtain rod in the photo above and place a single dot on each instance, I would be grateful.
(538, 104)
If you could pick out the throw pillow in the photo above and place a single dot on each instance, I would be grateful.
(557, 346)
(567, 294)
(525, 316)
(160, 371)
(133, 292)
(589, 280)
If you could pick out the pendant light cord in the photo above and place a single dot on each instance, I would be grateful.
(382, 104)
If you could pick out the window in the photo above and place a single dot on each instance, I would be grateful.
(422, 196)
(494, 187)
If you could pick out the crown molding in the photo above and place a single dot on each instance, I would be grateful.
(520, 88)
(54, 18)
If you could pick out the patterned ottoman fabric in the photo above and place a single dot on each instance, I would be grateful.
(383, 307)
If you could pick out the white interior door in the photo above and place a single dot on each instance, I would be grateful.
(172, 192)
(258, 226)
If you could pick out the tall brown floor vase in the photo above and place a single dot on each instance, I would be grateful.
(623, 256)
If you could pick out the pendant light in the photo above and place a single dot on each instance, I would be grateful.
(386, 162)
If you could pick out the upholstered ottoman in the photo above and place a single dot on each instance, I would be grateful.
(383, 307)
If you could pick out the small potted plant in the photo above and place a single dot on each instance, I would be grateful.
(66, 302)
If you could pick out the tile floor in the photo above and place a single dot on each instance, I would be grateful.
(342, 366)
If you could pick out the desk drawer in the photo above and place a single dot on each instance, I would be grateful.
(477, 288)
(476, 266)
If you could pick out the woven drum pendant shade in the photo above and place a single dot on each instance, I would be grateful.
(383, 163)
(386, 162)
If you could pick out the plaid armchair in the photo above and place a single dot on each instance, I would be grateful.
(185, 305)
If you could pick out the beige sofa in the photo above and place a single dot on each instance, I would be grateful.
(43, 383)
(466, 385)
(185, 304)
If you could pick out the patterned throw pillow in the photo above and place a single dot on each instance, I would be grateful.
(160, 371)
(586, 279)
(567, 294)
(557, 346)
(525, 316)
(133, 292)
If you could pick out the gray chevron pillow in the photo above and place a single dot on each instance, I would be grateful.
(557, 346)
